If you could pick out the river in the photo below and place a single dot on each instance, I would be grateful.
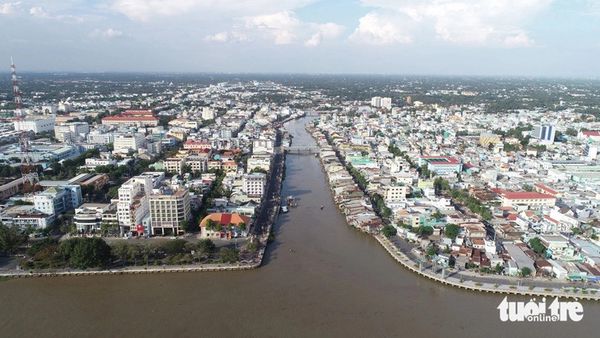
(320, 278)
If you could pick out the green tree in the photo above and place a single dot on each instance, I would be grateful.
(229, 255)
(206, 247)
(438, 216)
(389, 231)
(83, 253)
(451, 230)
(11, 238)
(424, 171)
(440, 184)
(425, 231)
(526, 272)
(571, 132)
(121, 251)
(432, 250)
(210, 224)
(188, 226)
(109, 229)
(537, 246)
(174, 247)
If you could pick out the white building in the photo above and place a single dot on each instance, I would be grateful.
(125, 143)
(381, 102)
(591, 152)
(197, 163)
(208, 113)
(132, 207)
(259, 161)
(92, 163)
(254, 184)
(71, 131)
(174, 165)
(58, 199)
(90, 216)
(25, 216)
(37, 124)
(395, 193)
(263, 146)
(98, 137)
(169, 210)
(544, 133)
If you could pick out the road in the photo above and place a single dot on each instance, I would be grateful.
(406, 248)
(272, 197)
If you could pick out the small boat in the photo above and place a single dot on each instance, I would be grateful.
(322, 206)
(284, 209)
(316, 155)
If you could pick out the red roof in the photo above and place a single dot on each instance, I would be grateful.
(594, 133)
(547, 189)
(550, 219)
(226, 219)
(145, 112)
(525, 195)
(444, 159)
(130, 118)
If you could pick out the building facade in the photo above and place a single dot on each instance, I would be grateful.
(169, 210)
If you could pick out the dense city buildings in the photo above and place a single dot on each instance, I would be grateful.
(460, 185)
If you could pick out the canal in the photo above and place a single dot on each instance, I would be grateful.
(320, 278)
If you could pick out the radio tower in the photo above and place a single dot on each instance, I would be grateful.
(15, 86)
(26, 167)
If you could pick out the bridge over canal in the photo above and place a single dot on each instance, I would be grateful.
(302, 150)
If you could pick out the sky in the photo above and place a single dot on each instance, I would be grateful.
(426, 37)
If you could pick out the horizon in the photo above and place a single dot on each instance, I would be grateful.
(282, 73)
(534, 38)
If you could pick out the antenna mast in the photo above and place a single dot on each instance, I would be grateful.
(26, 167)
(15, 86)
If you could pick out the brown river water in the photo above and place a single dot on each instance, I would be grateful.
(320, 278)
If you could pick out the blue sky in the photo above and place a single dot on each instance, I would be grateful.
(433, 37)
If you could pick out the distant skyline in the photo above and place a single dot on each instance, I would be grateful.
(549, 38)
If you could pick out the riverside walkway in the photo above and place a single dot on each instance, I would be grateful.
(475, 285)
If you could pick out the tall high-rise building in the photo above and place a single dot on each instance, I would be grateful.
(544, 133)
(591, 152)
(381, 102)
(132, 207)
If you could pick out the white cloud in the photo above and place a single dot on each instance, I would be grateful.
(469, 22)
(227, 37)
(324, 31)
(109, 33)
(281, 28)
(41, 13)
(378, 29)
(144, 10)
(38, 12)
(218, 37)
(9, 8)
(517, 40)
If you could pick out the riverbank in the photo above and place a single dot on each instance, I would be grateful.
(134, 270)
(347, 200)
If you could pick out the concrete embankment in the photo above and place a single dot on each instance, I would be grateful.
(484, 287)
(137, 270)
